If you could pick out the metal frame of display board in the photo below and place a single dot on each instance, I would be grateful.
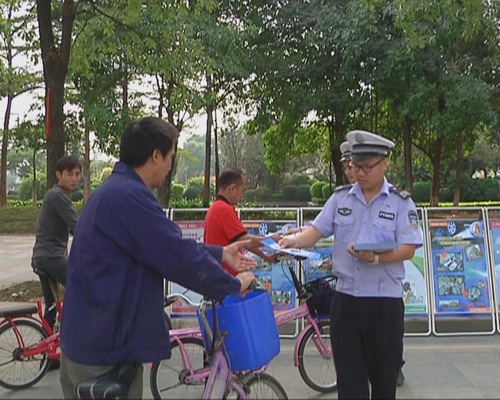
(416, 318)
(460, 285)
(267, 226)
(491, 255)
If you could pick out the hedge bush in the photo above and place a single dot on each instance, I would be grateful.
(325, 190)
(316, 189)
(303, 193)
(257, 195)
(290, 192)
(421, 191)
(176, 190)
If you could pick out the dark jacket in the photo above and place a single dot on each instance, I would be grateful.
(123, 248)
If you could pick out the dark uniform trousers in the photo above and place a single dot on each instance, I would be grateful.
(367, 342)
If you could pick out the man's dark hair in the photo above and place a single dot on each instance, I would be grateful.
(230, 176)
(143, 136)
(67, 163)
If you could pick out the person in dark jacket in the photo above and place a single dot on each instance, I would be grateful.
(56, 220)
(123, 248)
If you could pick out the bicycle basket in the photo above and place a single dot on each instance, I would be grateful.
(321, 292)
(252, 339)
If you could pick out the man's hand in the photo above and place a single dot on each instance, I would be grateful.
(272, 258)
(232, 256)
(245, 279)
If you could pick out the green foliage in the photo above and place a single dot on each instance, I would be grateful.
(106, 171)
(421, 192)
(303, 193)
(316, 189)
(193, 193)
(176, 191)
(77, 195)
(186, 203)
(257, 195)
(298, 179)
(325, 190)
(26, 187)
(290, 192)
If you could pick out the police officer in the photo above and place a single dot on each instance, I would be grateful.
(367, 313)
(345, 159)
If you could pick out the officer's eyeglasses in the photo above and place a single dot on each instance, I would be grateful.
(366, 168)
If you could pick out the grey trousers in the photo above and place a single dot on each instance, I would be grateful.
(72, 374)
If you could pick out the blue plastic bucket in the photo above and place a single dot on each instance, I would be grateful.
(252, 339)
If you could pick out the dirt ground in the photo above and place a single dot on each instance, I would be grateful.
(26, 292)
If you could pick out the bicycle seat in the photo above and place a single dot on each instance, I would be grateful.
(16, 310)
(113, 384)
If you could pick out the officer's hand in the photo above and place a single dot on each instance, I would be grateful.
(367, 256)
(232, 256)
(287, 242)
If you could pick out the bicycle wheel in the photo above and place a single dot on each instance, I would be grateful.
(317, 372)
(16, 370)
(169, 379)
(264, 386)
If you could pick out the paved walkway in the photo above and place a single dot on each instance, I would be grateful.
(465, 367)
(15, 259)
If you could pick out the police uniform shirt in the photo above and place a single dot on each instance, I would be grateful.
(388, 218)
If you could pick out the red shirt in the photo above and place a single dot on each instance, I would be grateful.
(222, 226)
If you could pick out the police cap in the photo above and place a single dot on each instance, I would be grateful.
(366, 145)
(345, 150)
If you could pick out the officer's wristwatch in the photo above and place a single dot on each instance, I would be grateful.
(376, 259)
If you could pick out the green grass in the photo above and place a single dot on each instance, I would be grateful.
(18, 220)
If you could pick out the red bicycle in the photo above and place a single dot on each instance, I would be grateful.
(28, 344)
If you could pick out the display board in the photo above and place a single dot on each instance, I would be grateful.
(460, 271)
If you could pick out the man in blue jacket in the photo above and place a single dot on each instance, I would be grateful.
(123, 249)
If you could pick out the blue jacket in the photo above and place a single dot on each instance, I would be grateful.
(123, 248)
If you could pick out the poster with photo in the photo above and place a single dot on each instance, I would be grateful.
(191, 230)
(321, 266)
(275, 277)
(414, 283)
(459, 265)
(495, 252)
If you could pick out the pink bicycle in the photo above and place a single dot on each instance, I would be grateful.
(173, 378)
(189, 373)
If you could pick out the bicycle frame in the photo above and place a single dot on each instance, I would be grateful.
(282, 317)
(302, 311)
(50, 344)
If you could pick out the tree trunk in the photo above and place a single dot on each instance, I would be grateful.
(55, 58)
(216, 153)
(458, 169)
(436, 165)
(5, 142)
(338, 138)
(407, 154)
(34, 185)
(86, 165)
(208, 152)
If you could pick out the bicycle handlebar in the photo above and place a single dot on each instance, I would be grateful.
(170, 299)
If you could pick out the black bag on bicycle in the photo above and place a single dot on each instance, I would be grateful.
(113, 384)
(321, 292)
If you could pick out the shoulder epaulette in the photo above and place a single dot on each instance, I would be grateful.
(400, 192)
(343, 187)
